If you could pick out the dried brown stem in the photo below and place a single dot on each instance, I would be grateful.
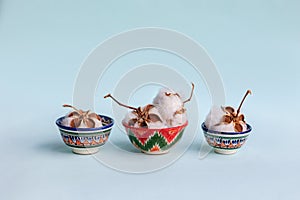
(121, 104)
(69, 106)
(189, 99)
(239, 109)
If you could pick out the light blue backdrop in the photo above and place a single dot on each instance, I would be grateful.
(255, 44)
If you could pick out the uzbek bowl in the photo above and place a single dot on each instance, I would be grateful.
(85, 140)
(154, 141)
(226, 142)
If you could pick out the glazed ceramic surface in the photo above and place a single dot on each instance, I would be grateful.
(154, 141)
(85, 140)
(226, 142)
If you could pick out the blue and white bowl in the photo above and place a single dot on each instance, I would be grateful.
(226, 142)
(85, 140)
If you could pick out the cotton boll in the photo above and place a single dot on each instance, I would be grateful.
(214, 121)
(152, 122)
(226, 119)
(168, 98)
(214, 117)
(168, 103)
(67, 122)
(81, 119)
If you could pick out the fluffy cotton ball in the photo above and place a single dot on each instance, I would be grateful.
(67, 122)
(168, 102)
(159, 124)
(214, 119)
(171, 103)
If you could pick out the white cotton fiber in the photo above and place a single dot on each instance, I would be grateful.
(168, 104)
(67, 122)
(157, 124)
(214, 121)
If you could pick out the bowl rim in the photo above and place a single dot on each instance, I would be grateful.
(204, 128)
(59, 120)
(153, 129)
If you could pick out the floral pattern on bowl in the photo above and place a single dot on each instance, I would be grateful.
(85, 140)
(226, 142)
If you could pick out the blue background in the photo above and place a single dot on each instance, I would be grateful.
(255, 44)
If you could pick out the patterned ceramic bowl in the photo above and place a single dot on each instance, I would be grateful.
(226, 142)
(154, 141)
(85, 140)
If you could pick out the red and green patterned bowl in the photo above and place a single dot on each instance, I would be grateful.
(85, 140)
(154, 141)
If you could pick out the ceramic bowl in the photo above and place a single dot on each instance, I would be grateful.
(226, 142)
(85, 140)
(154, 141)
